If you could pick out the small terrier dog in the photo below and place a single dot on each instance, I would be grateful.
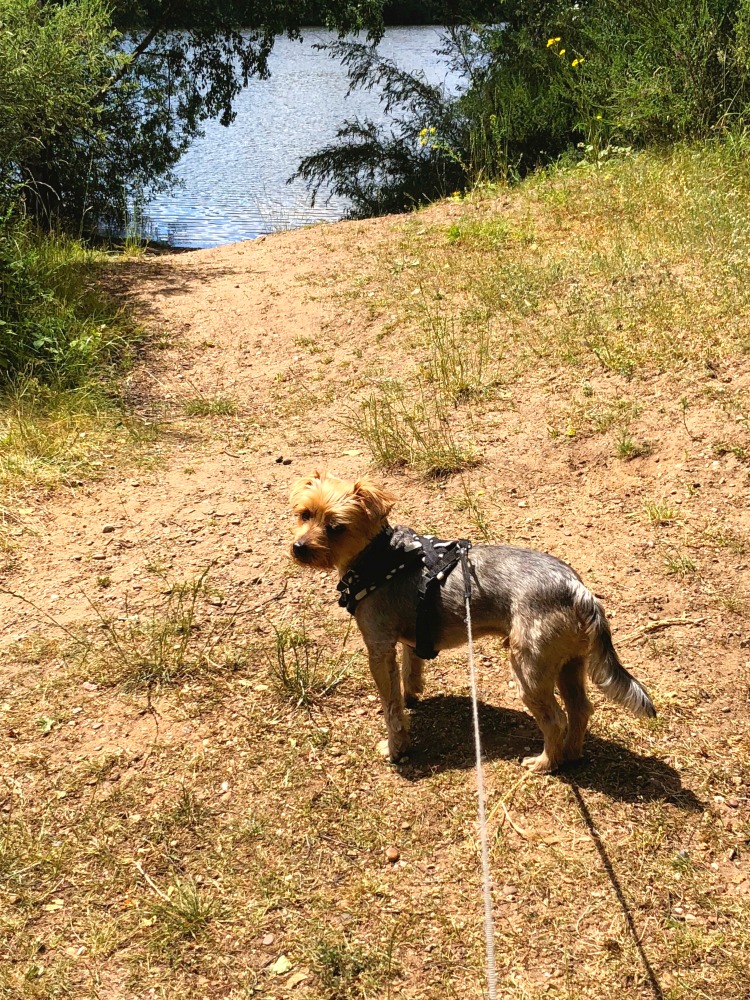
(556, 630)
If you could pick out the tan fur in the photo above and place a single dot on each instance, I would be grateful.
(323, 505)
(551, 648)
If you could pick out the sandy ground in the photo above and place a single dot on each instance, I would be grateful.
(284, 328)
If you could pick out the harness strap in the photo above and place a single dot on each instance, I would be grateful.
(397, 550)
(440, 558)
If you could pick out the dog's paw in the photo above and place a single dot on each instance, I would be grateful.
(411, 700)
(540, 764)
(397, 747)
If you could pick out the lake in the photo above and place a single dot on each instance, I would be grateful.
(234, 179)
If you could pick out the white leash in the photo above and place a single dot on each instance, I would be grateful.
(489, 927)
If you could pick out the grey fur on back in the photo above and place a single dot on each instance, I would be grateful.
(530, 597)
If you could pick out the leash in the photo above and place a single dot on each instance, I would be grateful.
(489, 928)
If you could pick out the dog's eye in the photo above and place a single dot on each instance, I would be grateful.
(305, 515)
(335, 529)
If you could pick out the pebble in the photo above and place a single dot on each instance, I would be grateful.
(98, 555)
(392, 854)
(268, 939)
(90, 686)
(107, 529)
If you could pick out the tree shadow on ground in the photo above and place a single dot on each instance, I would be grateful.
(442, 740)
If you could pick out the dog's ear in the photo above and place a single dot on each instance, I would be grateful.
(302, 484)
(376, 500)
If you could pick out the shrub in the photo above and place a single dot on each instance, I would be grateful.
(554, 78)
(55, 326)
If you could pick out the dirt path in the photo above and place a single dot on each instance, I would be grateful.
(239, 321)
(269, 345)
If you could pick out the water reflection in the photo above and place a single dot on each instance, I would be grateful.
(234, 179)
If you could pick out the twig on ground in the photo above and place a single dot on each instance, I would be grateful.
(657, 626)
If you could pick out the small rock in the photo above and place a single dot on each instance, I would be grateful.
(287, 461)
(98, 555)
(281, 966)
(268, 939)
(107, 529)
(295, 979)
(733, 803)
(90, 686)
(393, 854)
(279, 460)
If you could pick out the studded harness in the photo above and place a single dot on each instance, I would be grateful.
(399, 550)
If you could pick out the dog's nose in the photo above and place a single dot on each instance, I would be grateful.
(299, 549)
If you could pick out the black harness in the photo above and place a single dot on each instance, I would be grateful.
(399, 550)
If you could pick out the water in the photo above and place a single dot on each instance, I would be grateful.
(234, 179)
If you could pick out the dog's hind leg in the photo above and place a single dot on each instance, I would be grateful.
(412, 672)
(572, 685)
(538, 693)
(385, 671)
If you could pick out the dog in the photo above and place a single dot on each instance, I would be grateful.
(556, 630)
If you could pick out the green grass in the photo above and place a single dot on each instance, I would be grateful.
(64, 345)
(658, 512)
(210, 406)
(301, 668)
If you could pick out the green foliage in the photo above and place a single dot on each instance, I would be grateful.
(587, 79)
(55, 325)
(52, 59)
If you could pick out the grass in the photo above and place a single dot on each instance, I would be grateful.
(173, 640)
(210, 406)
(658, 512)
(217, 803)
(677, 562)
(403, 427)
(636, 312)
(300, 667)
(64, 346)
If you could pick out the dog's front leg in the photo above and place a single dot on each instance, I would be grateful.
(385, 672)
(412, 671)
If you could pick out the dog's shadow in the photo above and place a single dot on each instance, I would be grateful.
(442, 740)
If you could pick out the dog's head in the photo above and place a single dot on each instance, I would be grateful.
(336, 519)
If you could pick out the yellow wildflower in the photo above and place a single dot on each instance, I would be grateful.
(598, 118)
(552, 41)
(577, 62)
(562, 52)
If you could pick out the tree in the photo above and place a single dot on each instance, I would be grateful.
(122, 94)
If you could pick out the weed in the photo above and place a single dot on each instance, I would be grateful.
(346, 970)
(165, 644)
(726, 537)
(721, 448)
(309, 343)
(185, 912)
(301, 668)
(735, 604)
(403, 428)
(458, 361)
(678, 562)
(103, 582)
(627, 448)
(210, 406)
(472, 502)
(658, 512)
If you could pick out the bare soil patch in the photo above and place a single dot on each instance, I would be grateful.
(176, 822)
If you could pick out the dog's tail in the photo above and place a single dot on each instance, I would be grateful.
(603, 664)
